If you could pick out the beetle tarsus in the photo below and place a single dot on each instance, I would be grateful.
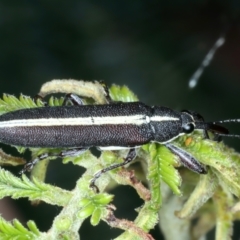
(65, 153)
(129, 158)
(27, 168)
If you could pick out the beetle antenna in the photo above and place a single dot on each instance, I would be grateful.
(227, 135)
(227, 121)
(217, 128)
(206, 61)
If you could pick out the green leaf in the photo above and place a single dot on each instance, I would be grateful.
(167, 170)
(204, 190)
(34, 190)
(224, 161)
(161, 166)
(96, 216)
(86, 211)
(16, 230)
(224, 222)
(53, 101)
(122, 93)
(95, 205)
(32, 226)
(11, 103)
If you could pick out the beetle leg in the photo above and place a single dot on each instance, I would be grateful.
(73, 99)
(106, 91)
(66, 153)
(129, 158)
(187, 159)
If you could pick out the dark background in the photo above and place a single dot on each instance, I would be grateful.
(151, 46)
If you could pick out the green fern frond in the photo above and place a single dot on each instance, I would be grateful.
(17, 231)
(11, 103)
(122, 94)
(53, 101)
(34, 190)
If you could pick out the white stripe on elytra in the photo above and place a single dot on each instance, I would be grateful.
(163, 118)
(85, 121)
(80, 121)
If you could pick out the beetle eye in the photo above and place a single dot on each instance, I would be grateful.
(188, 128)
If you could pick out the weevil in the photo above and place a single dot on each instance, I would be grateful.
(111, 126)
